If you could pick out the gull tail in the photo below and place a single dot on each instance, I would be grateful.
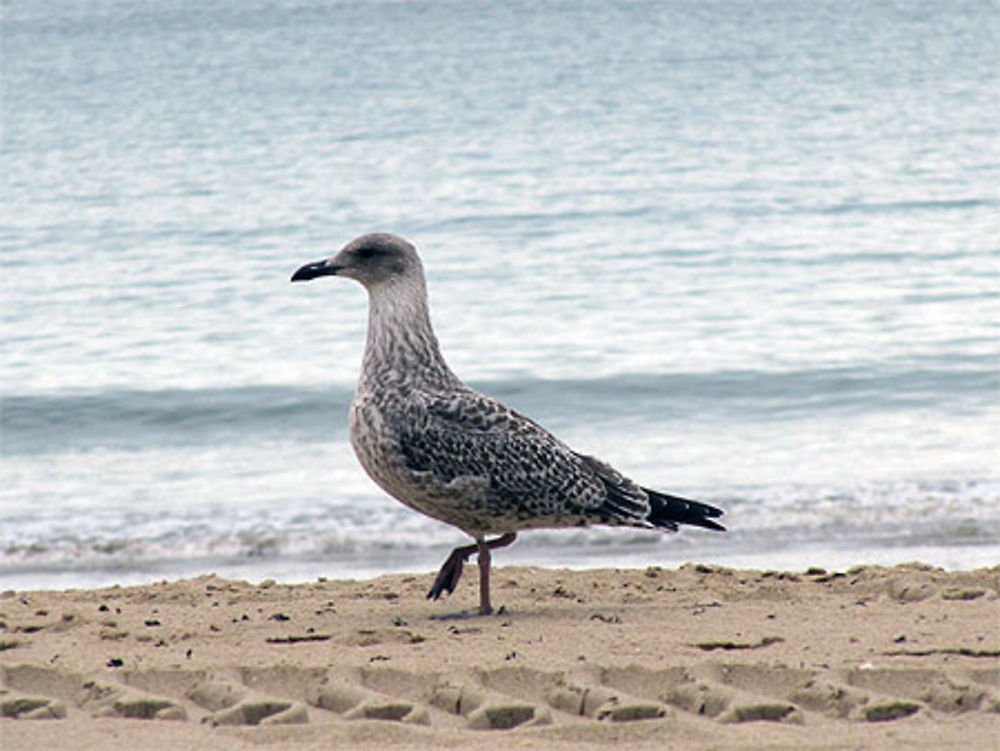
(668, 511)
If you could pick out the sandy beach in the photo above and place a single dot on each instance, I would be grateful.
(692, 658)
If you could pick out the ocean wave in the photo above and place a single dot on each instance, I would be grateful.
(893, 207)
(140, 419)
(794, 520)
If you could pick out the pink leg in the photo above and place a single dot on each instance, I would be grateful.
(483, 558)
(450, 573)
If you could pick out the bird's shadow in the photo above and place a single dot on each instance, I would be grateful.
(469, 614)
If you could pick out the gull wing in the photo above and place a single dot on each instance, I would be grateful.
(526, 470)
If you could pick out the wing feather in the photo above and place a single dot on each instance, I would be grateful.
(526, 470)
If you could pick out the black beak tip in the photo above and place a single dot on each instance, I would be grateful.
(313, 270)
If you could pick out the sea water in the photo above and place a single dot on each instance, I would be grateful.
(744, 251)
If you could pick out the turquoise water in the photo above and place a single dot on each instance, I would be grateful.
(746, 251)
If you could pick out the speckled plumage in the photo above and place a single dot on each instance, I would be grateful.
(457, 455)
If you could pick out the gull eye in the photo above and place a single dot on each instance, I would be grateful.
(366, 251)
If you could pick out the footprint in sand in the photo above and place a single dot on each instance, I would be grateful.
(25, 707)
(107, 700)
(484, 709)
(603, 703)
(354, 702)
(234, 704)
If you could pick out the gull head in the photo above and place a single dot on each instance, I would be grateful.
(374, 260)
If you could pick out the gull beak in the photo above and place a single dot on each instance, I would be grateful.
(313, 270)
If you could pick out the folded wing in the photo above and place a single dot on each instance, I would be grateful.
(526, 471)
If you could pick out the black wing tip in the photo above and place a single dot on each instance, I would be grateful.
(709, 524)
(669, 510)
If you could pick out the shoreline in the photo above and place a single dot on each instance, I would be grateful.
(906, 656)
(372, 563)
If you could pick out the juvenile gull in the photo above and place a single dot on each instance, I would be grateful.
(456, 455)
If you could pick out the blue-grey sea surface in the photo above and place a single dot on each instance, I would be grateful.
(745, 250)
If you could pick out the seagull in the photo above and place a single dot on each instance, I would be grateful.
(459, 456)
